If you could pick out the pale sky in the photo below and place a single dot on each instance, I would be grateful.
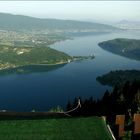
(79, 10)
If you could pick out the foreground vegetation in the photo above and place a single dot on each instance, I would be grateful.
(122, 100)
(118, 101)
(129, 48)
(55, 129)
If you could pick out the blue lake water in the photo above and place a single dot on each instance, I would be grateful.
(44, 88)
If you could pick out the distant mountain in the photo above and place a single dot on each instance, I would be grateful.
(20, 22)
(125, 24)
(129, 22)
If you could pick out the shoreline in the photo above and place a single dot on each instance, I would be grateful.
(53, 64)
(73, 58)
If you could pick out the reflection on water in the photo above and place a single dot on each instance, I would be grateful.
(30, 69)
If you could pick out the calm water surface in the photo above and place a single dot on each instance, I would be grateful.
(44, 88)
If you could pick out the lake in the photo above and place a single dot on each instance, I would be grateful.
(42, 88)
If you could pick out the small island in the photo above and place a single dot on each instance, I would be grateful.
(129, 48)
(119, 77)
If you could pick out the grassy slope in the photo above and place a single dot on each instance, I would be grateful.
(55, 129)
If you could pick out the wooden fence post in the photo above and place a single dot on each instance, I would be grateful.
(120, 119)
(136, 127)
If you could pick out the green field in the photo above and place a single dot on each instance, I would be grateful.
(55, 129)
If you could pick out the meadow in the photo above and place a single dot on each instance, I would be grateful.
(55, 129)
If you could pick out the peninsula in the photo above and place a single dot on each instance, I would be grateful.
(129, 48)
(12, 57)
(119, 77)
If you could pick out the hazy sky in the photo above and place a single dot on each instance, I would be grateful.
(80, 10)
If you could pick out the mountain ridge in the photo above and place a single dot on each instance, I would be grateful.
(19, 22)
